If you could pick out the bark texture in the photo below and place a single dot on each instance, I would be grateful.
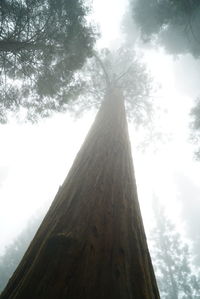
(91, 244)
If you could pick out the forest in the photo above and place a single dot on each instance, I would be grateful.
(100, 149)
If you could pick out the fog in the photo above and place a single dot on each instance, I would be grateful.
(35, 158)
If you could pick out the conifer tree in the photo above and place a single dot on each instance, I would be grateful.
(92, 244)
(172, 260)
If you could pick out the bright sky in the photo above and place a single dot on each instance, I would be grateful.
(35, 158)
(108, 14)
(35, 161)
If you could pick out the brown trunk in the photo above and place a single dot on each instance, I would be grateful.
(91, 244)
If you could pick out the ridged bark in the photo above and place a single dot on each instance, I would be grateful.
(91, 244)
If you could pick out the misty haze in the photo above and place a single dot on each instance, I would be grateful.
(100, 149)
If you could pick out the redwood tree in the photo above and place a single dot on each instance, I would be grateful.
(92, 243)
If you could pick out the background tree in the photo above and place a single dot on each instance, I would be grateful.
(172, 260)
(173, 24)
(15, 251)
(92, 244)
(195, 126)
(42, 45)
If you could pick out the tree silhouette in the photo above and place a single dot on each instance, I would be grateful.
(172, 260)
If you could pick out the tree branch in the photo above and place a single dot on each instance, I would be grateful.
(124, 74)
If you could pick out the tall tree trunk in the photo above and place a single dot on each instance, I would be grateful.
(91, 244)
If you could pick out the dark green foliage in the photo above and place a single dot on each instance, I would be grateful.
(172, 261)
(174, 24)
(15, 251)
(42, 45)
(43, 49)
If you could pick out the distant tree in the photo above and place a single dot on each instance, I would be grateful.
(15, 251)
(172, 261)
(92, 244)
(42, 45)
(174, 24)
(195, 126)
(188, 192)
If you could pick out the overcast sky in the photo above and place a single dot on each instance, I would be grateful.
(35, 159)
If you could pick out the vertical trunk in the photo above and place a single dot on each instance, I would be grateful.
(91, 243)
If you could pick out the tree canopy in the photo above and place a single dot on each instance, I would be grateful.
(120, 68)
(42, 45)
(173, 24)
(48, 62)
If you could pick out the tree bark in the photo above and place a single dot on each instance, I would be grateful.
(92, 244)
